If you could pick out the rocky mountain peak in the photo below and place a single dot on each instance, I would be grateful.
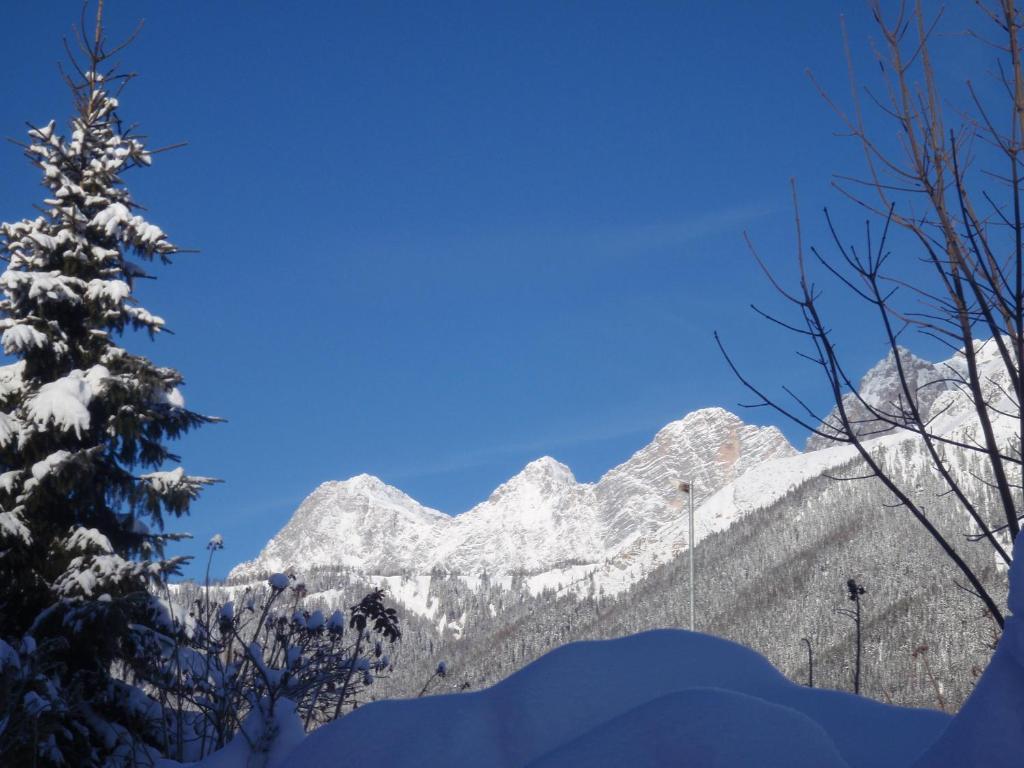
(699, 420)
(359, 484)
(882, 390)
(881, 385)
(543, 484)
(544, 471)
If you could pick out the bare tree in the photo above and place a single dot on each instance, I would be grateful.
(952, 196)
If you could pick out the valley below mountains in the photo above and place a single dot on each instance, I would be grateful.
(546, 560)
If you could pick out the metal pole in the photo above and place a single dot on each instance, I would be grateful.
(690, 494)
(810, 663)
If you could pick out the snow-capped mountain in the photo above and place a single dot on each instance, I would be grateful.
(941, 391)
(610, 534)
(360, 522)
(708, 449)
(881, 389)
(539, 520)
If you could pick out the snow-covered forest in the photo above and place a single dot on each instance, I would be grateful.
(719, 598)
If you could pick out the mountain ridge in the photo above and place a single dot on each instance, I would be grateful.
(611, 533)
(539, 519)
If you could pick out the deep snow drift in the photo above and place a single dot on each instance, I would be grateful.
(662, 697)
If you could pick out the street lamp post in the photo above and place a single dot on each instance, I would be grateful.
(687, 488)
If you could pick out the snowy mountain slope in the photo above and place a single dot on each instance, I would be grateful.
(541, 519)
(953, 410)
(773, 576)
(360, 522)
(760, 486)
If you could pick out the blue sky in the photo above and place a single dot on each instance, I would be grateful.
(441, 240)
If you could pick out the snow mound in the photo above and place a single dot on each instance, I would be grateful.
(604, 698)
(702, 727)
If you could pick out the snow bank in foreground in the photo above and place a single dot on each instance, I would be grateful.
(701, 727)
(609, 697)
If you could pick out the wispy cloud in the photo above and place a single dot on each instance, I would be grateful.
(677, 232)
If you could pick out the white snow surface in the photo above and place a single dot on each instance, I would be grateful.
(682, 698)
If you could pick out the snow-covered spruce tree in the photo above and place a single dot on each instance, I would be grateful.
(84, 426)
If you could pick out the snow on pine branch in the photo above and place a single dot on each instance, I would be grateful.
(175, 481)
(52, 463)
(12, 526)
(11, 378)
(41, 287)
(10, 431)
(21, 337)
(64, 403)
(89, 575)
(88, 540)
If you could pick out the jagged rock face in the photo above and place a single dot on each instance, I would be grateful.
(361, 522)
(540, 519)
(954, 412)
(881, 389)
(707, 449)
(944, 399)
